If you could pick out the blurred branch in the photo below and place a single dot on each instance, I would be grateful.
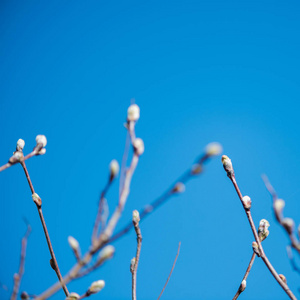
(247, 205)
(18, 276)
(292, 259)
(287, 224)
(174, 263)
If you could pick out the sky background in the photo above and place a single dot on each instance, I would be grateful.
(201, 71)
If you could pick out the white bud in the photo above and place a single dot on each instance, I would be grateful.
(243, 285)
(263, 231)
(18, 155)
(213, 149)
(114, 168)
(20, 144)
(278, 206)
(36, 199)
(138, 146)
(179, 188)
(96, 287)
(135, 216)
(288, 224)
(73, 243)
(42, 151)
(41, 139)
(227, 164)
(247, 202)
(73, 296)
(106, 253)
(133, 112)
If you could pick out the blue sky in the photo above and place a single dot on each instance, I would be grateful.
(201, 71)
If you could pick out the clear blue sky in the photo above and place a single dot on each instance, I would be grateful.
(201, 71)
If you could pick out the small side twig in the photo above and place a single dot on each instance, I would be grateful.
(292, 260)
(174, 263)
(247, 205)
(135, 261)
(18, 276)
(244, 280)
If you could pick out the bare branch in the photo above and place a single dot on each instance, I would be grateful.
(174, 263)
(18, 276)
(230, 173)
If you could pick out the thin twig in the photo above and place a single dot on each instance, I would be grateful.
(174, 263)
(54, 264)
(230, 173)
(137, 256)
(243, 282)
(18, 276)
(292, 260)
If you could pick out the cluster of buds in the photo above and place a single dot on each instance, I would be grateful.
(246, 202)
(227, 165)
(95, 287)
(113, 169)
(263, 231)
(178, 188)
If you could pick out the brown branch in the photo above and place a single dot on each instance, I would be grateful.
(18, 276)
(230, 173)
(278, 205)
(244, 280)
(135, 260)
(174, 263)
(38, 203)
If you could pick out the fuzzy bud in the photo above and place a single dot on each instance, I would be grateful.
(288, 225)
(73, 296)
(20, 144)
(106, 253)
(16, 157)
(178, 188)
(196, 169)
(138, 146)
(73, 243)
(283, 278)
(96, 287)
(263, 231)
(255, 248)
(132, 264)
(42, 151)
(227, 165)
(135, 217)
(41, 139)
(133, 112)
(213, 149)
(243, 286)
(114, 169)
(246, 202)
(278, 206)
(37, 199)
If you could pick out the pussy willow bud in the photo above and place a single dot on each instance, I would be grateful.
(196, 169)
(247, 202)
(263, 231)
(138, 146)
(42, 151)
(37, 199)
(255, 249)
(213, 149)
(227, 165)
(106, 253)
(243, 286)
(288, 224)
(25, 296)
(132, 264)
(73, 243)
(114, 169)
(96, 287)
(135, 217)
(20, 144)
(178, 188)
(133, 112)
(16, 157)
(73, 296)
(41, 139)
(278, 208)
(283, 278)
